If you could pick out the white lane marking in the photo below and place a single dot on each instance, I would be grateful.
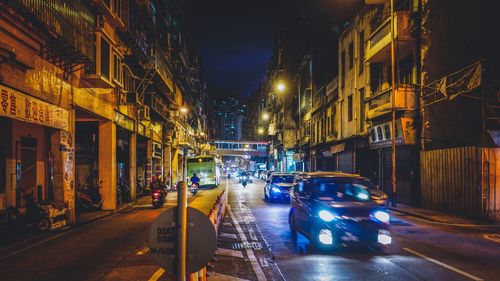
(157, 275)
(228, 235)
(452, 268)
(143, 251)
(255, 264)
(258, 230)
(264, 262)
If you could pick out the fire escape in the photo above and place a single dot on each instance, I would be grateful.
(67, 27)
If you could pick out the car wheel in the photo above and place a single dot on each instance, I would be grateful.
(43, 224)
(293, 227)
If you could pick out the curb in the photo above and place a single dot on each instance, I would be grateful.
(425, 218)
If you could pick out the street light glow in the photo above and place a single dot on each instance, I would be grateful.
(280, 87)
(265, 116)
(260, 131)
(184, 110)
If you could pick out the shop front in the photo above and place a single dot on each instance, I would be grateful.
(36, 151)
(406, 158)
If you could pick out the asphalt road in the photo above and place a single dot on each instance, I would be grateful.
(421, 250)
(114, 248)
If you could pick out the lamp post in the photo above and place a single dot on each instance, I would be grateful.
(393, 105)
(281, 88)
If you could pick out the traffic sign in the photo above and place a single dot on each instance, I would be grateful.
(201, 240)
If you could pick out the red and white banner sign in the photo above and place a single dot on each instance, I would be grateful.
(14, 104)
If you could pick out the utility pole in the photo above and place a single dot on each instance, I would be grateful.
(393, 101)
(181, 230)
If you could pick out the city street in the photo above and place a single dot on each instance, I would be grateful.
(422, 250)
(258, 246)
(113, 248)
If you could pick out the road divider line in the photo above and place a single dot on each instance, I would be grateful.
(157, 275)
(257, 269)
(450, 267)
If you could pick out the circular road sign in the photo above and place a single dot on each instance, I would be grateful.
(201, 240)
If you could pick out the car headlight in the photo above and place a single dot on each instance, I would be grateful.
(276, 190)
(363, 196)
(382, 216)
(326, 216)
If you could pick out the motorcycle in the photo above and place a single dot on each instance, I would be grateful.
(86, 201)
(158, 198)
(194, 188)
(36, 216)
(244, 182)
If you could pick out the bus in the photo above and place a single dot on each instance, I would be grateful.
(207, 168)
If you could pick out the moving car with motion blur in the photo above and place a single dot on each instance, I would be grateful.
(335, 209)
(278, 187)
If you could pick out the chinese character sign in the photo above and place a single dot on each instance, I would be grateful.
(19, 106)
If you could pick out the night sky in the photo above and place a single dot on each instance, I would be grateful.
(235, 38)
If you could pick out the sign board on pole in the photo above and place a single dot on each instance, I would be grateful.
(201, 240)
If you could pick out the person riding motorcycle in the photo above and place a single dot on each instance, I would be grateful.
(195, 180)
(157, 184)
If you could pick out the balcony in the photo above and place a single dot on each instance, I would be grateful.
(379, 42)
(68, 28)
(380, 103)
(157, 106)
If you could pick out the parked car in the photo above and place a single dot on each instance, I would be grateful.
(278, 187)
(335, 209)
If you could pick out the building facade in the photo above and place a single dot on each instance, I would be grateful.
(91, 98)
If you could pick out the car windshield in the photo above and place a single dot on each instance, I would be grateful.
(342, 189)
(282, 179)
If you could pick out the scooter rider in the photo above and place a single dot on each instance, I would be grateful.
(195, 180)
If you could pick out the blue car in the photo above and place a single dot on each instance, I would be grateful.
(335, 209)
(278, 187)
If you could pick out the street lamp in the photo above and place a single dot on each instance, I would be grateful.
(265, 116)
(280, 87)
(260, 131)
(184, 110)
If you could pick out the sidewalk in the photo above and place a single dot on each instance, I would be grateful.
(436, 216)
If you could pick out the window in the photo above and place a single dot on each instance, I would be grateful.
(349, 108)
(105, 59)
(351, 55)
(387, 131)
(379, 133)
(373, 135)
(362, 109)
(361, 52)
(342, 68)
(117, 69)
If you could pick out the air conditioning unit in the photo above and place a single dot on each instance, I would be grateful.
(132, 98)
(144, 113)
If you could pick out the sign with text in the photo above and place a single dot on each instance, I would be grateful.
(201, 240)
(17, 105)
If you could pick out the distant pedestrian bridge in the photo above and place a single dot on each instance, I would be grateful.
(241, 148)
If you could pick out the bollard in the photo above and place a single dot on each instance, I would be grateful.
(181, 230)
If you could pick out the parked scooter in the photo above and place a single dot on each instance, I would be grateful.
(35, 216)
(158, 197)
(194, 188)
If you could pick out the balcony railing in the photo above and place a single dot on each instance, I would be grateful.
(378, 45)
(381, 103)
(68, 25)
